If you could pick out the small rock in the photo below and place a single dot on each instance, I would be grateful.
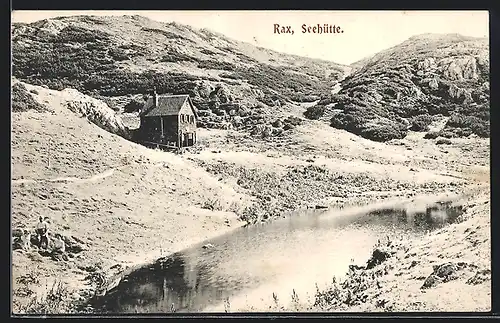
(445, 271)
(208, 246)
(414, 263)
(480, 277)
(431, 281)
(379, 255)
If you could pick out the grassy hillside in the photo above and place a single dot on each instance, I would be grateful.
(426, 78)
(118, 59)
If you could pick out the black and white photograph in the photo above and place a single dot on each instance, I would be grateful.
(277, 161)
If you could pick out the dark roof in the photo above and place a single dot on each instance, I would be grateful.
(168, 105)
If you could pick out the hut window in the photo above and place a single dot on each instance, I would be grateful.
(182, 118)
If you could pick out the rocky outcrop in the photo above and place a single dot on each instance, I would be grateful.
(443, 273)
(429, 75)
(95, 111)
(459, 69)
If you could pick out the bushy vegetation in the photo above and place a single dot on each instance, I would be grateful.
(315, 112)
(216, 65)
(56, 299)
(23, 101)
(356, 123)
(421, 122)
(165, 33)
(395, 86)
(465, 125)
(297, 87)
(384, 133)
(89, 61)
(175, 57)
(431, 135)
(134, 105)
(74, 34)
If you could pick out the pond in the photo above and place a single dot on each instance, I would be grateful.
(245, 267)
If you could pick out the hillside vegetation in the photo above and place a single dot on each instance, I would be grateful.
(119, 59)
(425, 79)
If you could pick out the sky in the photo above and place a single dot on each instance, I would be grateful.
(364, 32)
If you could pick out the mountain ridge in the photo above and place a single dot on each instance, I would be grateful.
(411, 85)
(119, 59)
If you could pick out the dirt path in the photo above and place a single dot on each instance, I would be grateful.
(96, 177)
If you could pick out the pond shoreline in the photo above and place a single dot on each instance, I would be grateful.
(417, 201)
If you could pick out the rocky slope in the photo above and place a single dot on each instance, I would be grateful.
(427, 78)
(119, 59)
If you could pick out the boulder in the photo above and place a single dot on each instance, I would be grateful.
(431, 281)
(278, 124)
(379, 255)
(445, 271)
(208, 246)
(434, 83)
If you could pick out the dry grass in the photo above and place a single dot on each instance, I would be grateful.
(54, 299)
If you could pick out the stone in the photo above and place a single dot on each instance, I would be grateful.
(431, 281)
(480, 277)
(379, 255)
(208, 246)
(445, 271)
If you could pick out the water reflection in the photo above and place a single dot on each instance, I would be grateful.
(242, 261)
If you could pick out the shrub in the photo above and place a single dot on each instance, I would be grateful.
(80, 35)
(431, 135)
(448, 133)
(443, 141)
(56, 301)
(384, 133)
(23, 101)
(216, 65)
(233, 76)
(177, 57)
(421, 122)
(315, 112)
(347, 121)
(295, 121)
(212, 205)
(469, 124)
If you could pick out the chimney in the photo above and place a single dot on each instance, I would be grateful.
(155, 97)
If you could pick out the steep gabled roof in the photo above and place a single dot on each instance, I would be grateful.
(168, 105)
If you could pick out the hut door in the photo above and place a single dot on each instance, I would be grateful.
(189, 140)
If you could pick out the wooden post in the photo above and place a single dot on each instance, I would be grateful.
(178, 142)
(161, 127)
